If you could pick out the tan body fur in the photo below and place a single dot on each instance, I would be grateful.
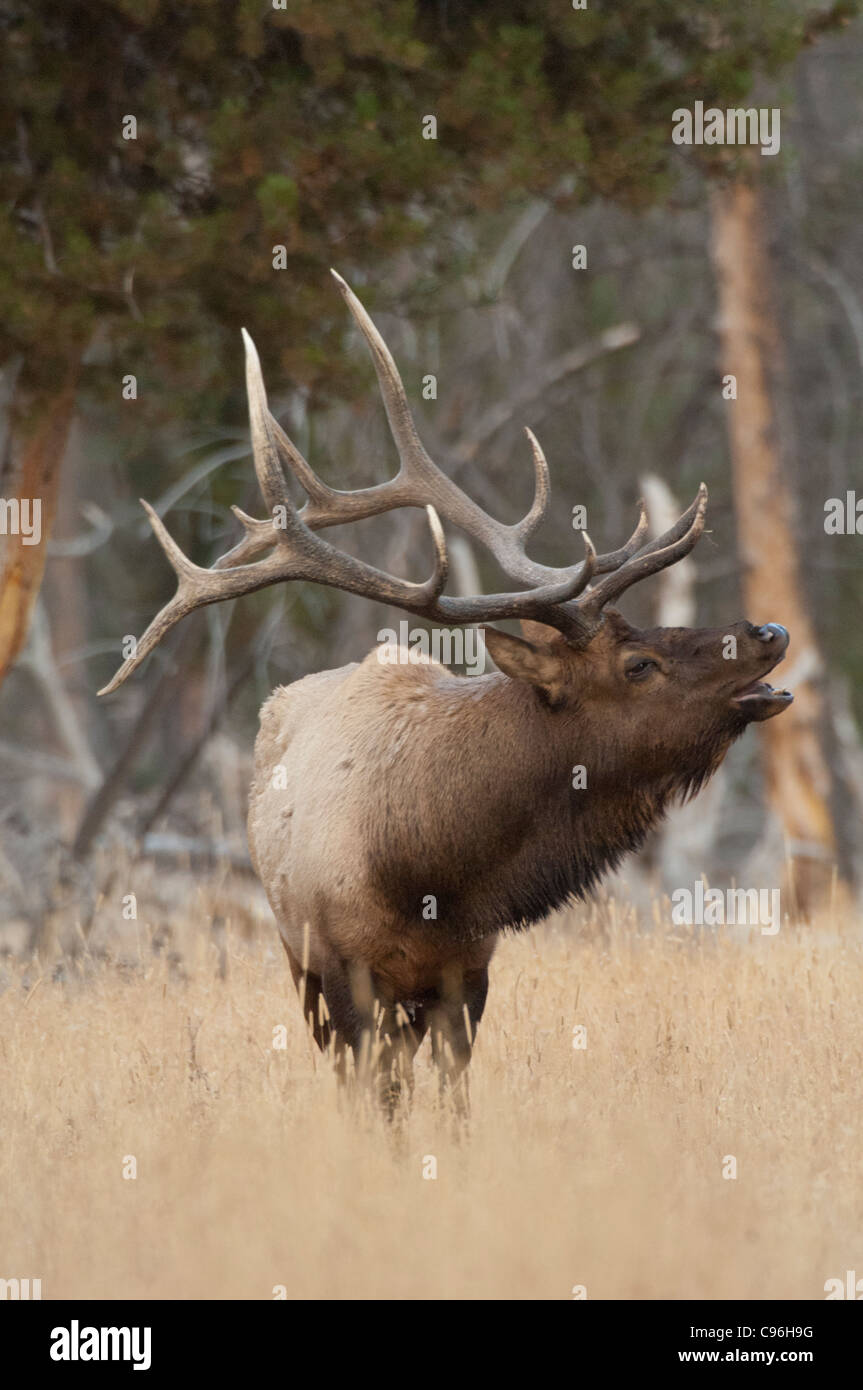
(351, 741)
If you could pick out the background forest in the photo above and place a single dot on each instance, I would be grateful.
(173, 172)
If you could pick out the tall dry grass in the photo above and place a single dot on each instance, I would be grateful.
(600, 1167)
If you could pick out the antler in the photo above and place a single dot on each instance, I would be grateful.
(297, 552)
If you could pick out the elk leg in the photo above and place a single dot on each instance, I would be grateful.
(402, 1029)
(310, 991)
(379, 1030)
(357, 1018)
(454, 1019)
(383, 1033)
(349, 1006)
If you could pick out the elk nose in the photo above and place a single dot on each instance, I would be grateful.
(773, 632)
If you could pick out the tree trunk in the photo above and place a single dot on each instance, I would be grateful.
(30, 472)
(798, 776)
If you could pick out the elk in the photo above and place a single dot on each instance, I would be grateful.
(417, 814)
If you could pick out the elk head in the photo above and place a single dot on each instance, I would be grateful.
(655, 705)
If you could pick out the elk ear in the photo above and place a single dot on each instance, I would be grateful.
(534, 662)
(535, 632)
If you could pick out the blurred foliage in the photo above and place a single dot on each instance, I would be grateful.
(302, 127)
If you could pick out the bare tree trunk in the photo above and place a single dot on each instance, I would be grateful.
(64, 593)
(30, 472)
(798, 775)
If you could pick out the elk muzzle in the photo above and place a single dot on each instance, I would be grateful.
(757, 700)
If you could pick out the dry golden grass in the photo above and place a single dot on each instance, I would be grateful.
(599, 1167)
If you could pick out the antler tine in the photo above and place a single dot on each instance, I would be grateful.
(258, 539)
(184, 601)
(270, 446)
(436, 584)
(268, 468)
(681, 525)
(615, 558)
(666, 550)
(542, 490)
(412, 455)
(525, 528)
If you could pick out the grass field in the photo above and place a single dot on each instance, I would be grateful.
(599, 1166)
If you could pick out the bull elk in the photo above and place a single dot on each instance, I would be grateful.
(419, 814)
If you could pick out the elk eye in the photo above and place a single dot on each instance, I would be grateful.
(640, 668)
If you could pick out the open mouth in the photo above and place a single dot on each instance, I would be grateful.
(760, 701)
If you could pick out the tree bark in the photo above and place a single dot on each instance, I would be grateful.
(797, 771)
(30, 470)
